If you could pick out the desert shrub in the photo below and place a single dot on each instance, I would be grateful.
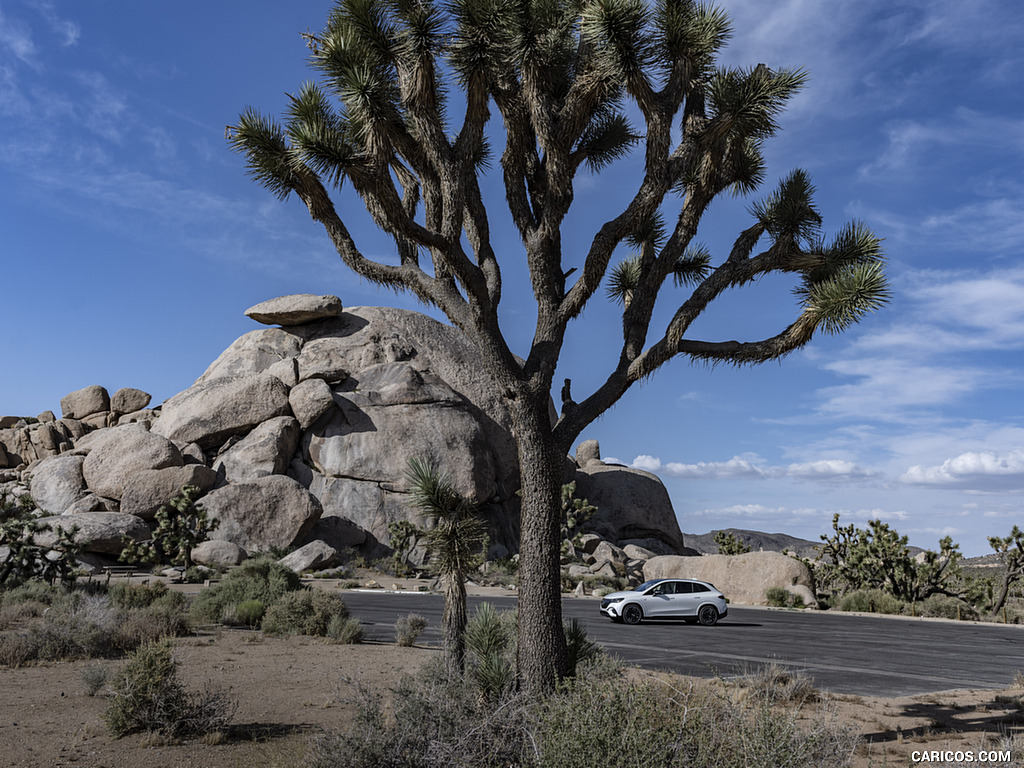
(946, 607)
(345, 631)
(94, 677)
(428, 722)
(248, 613)
(775, 683)
(147, 625)
(304, 612)
(146, 695)
(144, 595)
(777, 597)
(409, 628)
(872, 601)
(597, 718)
(255, 579)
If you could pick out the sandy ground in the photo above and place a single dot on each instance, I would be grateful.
(290, 688)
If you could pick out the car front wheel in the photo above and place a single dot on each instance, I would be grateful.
(632, 614)
(707, 615)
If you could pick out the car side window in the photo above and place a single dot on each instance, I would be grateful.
(683, 587)
(699, 588)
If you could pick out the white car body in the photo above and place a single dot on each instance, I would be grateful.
(667, 599)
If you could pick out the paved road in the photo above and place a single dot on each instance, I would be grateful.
(865, 655)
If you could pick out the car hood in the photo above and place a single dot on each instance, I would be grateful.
(623, 594)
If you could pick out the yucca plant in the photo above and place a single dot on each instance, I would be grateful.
(577, 86)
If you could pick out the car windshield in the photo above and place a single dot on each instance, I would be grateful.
(646, 585)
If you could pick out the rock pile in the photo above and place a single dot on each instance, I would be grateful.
(299, 435)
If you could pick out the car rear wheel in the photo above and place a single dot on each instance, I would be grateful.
(632, 614)
(707, 615)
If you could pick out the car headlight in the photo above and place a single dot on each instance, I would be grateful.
(613, 600)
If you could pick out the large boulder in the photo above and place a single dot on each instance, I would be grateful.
(631, 504)
(297, 309)
(267, 450)
(396, 414)
(217, 554)
(314, 556)
(743, 579)
(85, 402)
(210, 412)
(149, 489)
(117, 454)
(255, 352)
(57, 483)
(98, 532)
(261, 514)
(310, 400)
(128, 400)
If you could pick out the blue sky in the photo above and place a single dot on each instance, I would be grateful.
(132, 242)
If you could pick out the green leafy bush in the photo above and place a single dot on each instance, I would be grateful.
(946, 607)
(305, 612)
(248, 613)
(144, 595)
(777, 597)
(872, 601)
(255, 579)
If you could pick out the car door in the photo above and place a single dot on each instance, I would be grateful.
(684, 601)
(657, 601)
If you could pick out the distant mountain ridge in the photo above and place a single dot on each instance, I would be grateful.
(756, 540)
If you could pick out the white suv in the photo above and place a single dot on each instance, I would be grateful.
(667, 599)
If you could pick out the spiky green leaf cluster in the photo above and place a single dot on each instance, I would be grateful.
(181, 524)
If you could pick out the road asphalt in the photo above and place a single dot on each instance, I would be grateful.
(843, 653)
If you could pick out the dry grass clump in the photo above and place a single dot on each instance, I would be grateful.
(601, 717)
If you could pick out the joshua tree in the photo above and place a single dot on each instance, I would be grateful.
(1010, 550)
(568, 78)
(454, 536)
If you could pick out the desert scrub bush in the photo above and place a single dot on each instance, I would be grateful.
(872, 601)
(430, 721)
(248, 613)
(776, 684)
(345, 631)
(777, 597)
(146, 695)
(256, 579)
(304, 612)
(130, 596)
(408, 629)
(145, 625)
(946, 607)
(598, 718)
(94, 677)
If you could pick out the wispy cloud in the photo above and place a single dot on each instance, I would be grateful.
(16, 38)
(753, 467)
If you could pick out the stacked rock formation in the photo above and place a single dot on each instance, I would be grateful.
(299, 435)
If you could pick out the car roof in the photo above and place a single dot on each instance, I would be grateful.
(652, 582)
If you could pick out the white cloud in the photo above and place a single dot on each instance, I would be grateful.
(973, 470)
(751, 466)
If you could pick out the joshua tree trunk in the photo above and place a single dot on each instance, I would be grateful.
(541, 651)
(454, 623)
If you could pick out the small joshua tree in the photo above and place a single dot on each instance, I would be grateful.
(728, 544)
(455, 535)
(180, 525)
